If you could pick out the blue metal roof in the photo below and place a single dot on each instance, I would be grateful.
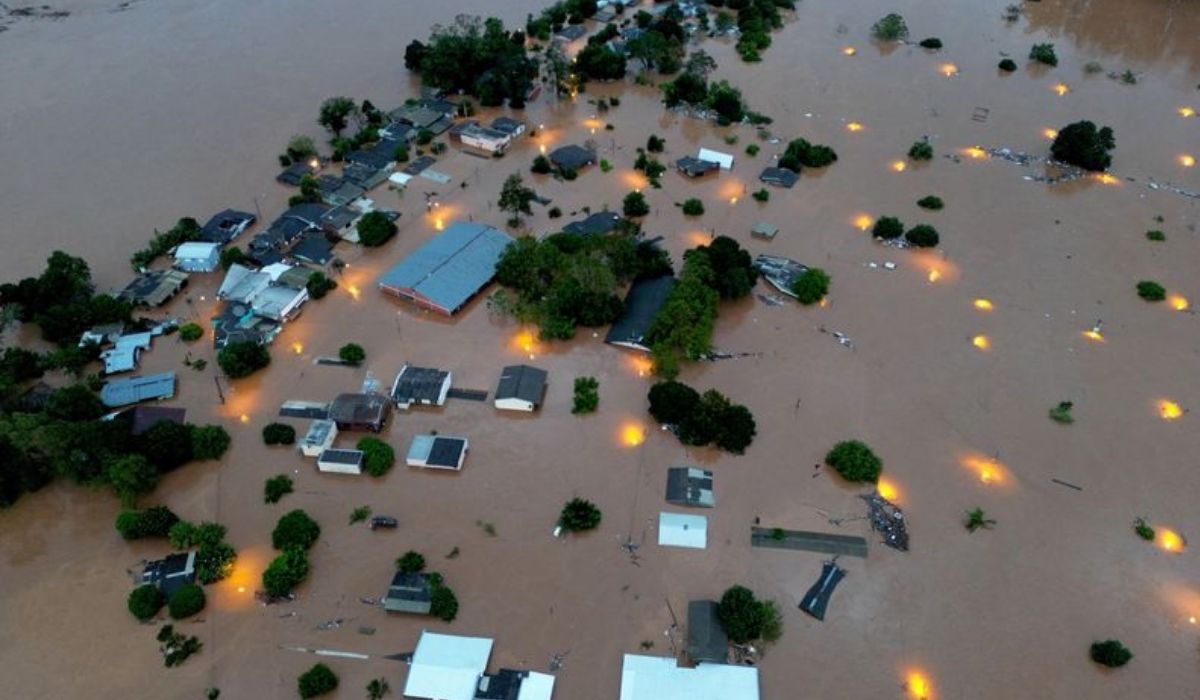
(449, 269)
(126, 391)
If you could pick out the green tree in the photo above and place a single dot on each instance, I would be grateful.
(191, 332)
(214, 561)
(1044, 54)
(152, 522)
(208, 441)
(130, 476)
(352, 353)
(375, 229)
(377, 688)
(410, 563)
(74, 403)
(741, 615)
(186, 601)
(733, 271)
(378, 456)
(295, 530)
(672, 402)
(1083, 145)
(812, 286)
(921, 150)
(277, 487)
(693, 207)
(145, 601)
(1151, 291)
(1111, 653)
(578, 515)
(318, 680)
(443, 604)
(1007, 65)
(335, 114)
(700, 63)
(854, 461)
(599, 62)
(977, 519)
(922, 236)
(888, 228)
(587, 395)
(931, 202)
(800, 154)
(515, 197)
(541, 165)
(319, 285)
(285, 572)
(168, 445)
(232, 256)
(726, 100)
(890, 28)
(736, 429)
(635, 205)
(242, 358)
(278, 434)
(300, 147)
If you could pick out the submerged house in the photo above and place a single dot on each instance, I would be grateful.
(360, 411)
(445, 272)
(695, 167)
(198, 256)
(724, 160)
(172, 573)
(295, 172)
(452, 667)
(680, 530)
(706, 639)
(143, 418)
(642, 303)
(154, 288)
(420, 385)
(437, 452)
(572, 157)
(319, 438)
(659, 678)
(340, 461)
(690, 486)
(123, 392)
(780, 272)
(598, 224)
(779, 177)
(226, 225)
(409, 593)
(521, 388)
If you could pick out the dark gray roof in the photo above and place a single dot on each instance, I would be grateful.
(694, 167)
(339, 218)
(362, 175)
(507, 125)
(408, 593)
(380, 156)
(418, 385)
(352, 411)
(155, 287)
(572, 32)
(313, 247)
(296, 172)
(522, 382)
(706, 639)
(335, 456)
(278, 235)
(816, 600)
(308, 212)
(225, 226)
(596, 224)
(172, 573)
(778, 176)
(505, 685)
(572, 157)
(336, 191)
(446, 452)
(142, 418)
(642, 303)
(690, 486)
(419, 165)
(450, 268)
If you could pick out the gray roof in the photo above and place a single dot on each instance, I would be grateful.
(419, 385)
(522, 382)
(172, 573)
(451, 268)
(642, 303)
(816, 600)
(572, 156)
(780, 272)
(437, 450)
(155, 287)
(225, 226)
(778, 176)
(507, 125)
(706, 639)
(690, 486)
(695, 167)
(335, 456)
(123, 392)
(596, 224)
(359, 410)
(409, 593)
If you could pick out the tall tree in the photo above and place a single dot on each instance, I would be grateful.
(335, 114)
(515, 197)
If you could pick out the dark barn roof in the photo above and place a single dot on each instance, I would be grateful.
(694, 167)
(142, 418)
(225, 226)
(419, 385)
(522, 382)
(690, 486)
(351, 411)
(778, 176)
(572, 157)
(597, 224)
(446, 452)
(408, 593)
(706, 639)
(642, 303)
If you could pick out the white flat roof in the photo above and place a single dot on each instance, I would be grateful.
(447, 667)
(536, 686)
(725, 160)
(195, 249)
(659, 678)
(680, 530)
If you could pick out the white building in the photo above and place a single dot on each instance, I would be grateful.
(197, 256)
(486, 139)
(450, 667)
(659, 678)
(320, 437)
(680, 530)
(521, 388)
(340, 461)
(725, 160)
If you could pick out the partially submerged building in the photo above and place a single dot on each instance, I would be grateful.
(320, 436)
(572, 157)
(696, 167)
(340, 461)
(294, 173)
(125, 353)
(409, 593)
(445, 272)
(226, 225)
(451, 667)
(690, 486)
(767, 232)
(172, 573)
(360, 411)
(424, 386)
(659, 678)
(123, 392)
(706, 639)
(680, 530)
(598, 224)
(780, 272)
(779, 177)
(437, 452)
(154, 288)
(198, 256)
(521, 388)
(642, 304)
(143, 418)
(723, 160)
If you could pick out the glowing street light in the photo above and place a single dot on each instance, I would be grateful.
(899, 166)
(632, 434)
(983, 304)
(863, 222)
(1187, 160)
(948, 69)
(1169, 410)
(975, 152)
(982, 342)
(934, 275)
(854, 126)
(1050, 133)
(918, 685)
(1061, 89)
(849, 51)
(1186, 112)
(1168, 540)
(1107, 179)
(887, 489)
(1178, 302)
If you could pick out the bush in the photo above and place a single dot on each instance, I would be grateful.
(145, 601)
(931, 202)
(654, 144)
(554, 213)
(443, 604)
(278, 434)
(276, 488)
(243, 358)
(285, 572)
(296, 530)
(932, 42)
(318, 680)
(890, 28)
(1062, 413)
(812, 286)
(410, 563)
(1043, 53)
(319, 285)
(152, 522)
(569, 174)
(186, 601)
(854, 461)
(671, 402)
(752, 150)
(922, 236)
(378, 456)
(375, 229)
(693, 207)
(1156, 236)
(190, 332)
(801, 154)
(214, 562)
(700, 419)
(176, 647)
(635, 205)
(578, 515)
(352, 353)
(1110, 653)
(587, 395)
(762, 195)
(744, 617)
(1008, 65)
(1143, 530)
(424, 136)
(1151, 291)
(921, 150)
(888, 228)
(1083, 145)
(209, 441)
(541, 165)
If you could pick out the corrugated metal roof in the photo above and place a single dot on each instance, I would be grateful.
(134, 389)
(659, 678)
(522, 382)
(447, 667)
(450, 268)
(679, 530)
(642, 303)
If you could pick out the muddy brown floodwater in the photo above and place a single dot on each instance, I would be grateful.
(115, 123)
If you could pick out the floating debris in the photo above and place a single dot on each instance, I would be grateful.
(888, 520)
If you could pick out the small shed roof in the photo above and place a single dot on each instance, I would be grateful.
(409, 593)
(767, 231)
(508, 125)
(725, 160)
(659, 678)
(695, 167)
(642, 303)
(143, 418)
(196, 250)
(350, 410)
(172, 572)
(437, 450)
(123, 392)
(450, 268)
(816, 600)
(155, 287)
(420, 385)
(522, 382)
(318, 433)
(447, 667)
(596, 224)
(572, 157)
(690, 486)
(679, 530)
(778, 176)
(336, 456)
(706, 638)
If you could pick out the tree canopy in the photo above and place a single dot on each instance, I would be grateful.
(744, 617)
(295, 530)
(1083, 145)
(318, 680)
(242, 358)
(375, 229)
(476, 56)
(285, 572)
(579, 514)
(515, 197)
(702, 419)
(812, 286)
(854, 461)
(599, 62)
(335, 114)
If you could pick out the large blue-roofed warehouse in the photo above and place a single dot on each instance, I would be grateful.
(444, 273)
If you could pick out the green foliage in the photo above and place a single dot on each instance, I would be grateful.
(318, 680)
(319, 285)
(933, 43)
(214, 561)
(377, 688)
(1008, 65)
(1143, 530)
(1151, 291)
(515, 197)
(443, 604)
(167, 445)
(606, 166)
(310, 191)
(812, 286)
(186, 601)
(375, 229)
(931, 202)
(1110, 653)
(702, 419)
(651, 167)
(145, 601)
(888, 228)
(190, 332)
(599, 62)
(578, 515)
(352, 353)
(360, 514)
(922, 236)
(243, 358)
(746, 618)
(152, 522)
(635, 205)
(1062, 413)
(541, 165)
(186, 229)
(801, 154)
(296, 530)
(762, 195)
(693, 207)
(1083, 145)
(285, 572)
(855, 461)
(478, 57)
(335, 114)
(232, 256)
(890, 27)
(130, 476)
(410, 563)
(277, 487)
(300, 147)
(176, 647)
(208, 441)
(977, 519)
(726, 101)
(688, 88)
(683, 327)
(656, 144)
(921, 150)
(672, 402)
(772, 621)
(278, 434)
(75, 403)
(378, 456)
(1156, 236)
(587, 395)
(1044, 54)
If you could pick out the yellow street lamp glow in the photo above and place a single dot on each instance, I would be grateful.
(314, 164)
(887, 489)
(934, 275)
(633, 435)
(1178, 302)
(542, 148)
(354, 292)
(919, 687)
(1168, 540)
(849, 51)
(1061, 89)
(982, 342)
(1107, 179)
(1094, 335)
(439, 224)
(298, 348)
(1186, 112)
(899, 166)
(863, 222)
(1187, 160)
(1169, 410)
(1050, 133)
(854, 126)
(975, 152)
(244, 418)
(948, 69)
(983, 304)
